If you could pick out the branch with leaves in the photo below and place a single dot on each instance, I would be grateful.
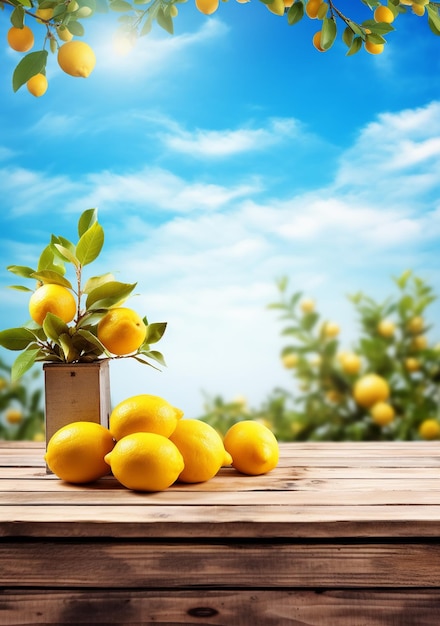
(63, 22)
(55, 340)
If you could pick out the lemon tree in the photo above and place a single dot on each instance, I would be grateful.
(21, 406)
(385, 386)
(60, 21)
(77, 318)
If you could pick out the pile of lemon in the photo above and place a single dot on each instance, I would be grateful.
(148, 447)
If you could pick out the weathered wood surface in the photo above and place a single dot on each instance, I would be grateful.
(337, 535)
(318, 490)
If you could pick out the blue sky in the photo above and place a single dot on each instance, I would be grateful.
(220, 159)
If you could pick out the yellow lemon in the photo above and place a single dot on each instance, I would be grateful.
(252, 446)
(145, 462)
(207, 7)
(419, 343)
(429, 429)
(386, 328)
(412, 364)
(370, 389)
(121, 331)
(374, 48)
(75, 453)
(13, 416)
(415, 325)
(312, 8)
(144, 413)
(37, 85)
(52, 299)
(307, 305)
(317, 41)
(382, 413)
(290, 360)
(20, 39)
(383, 14)
(76, 58)
(350, 363)
(44, 15)
(202, 449)
(330, 330)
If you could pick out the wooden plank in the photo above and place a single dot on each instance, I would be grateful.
(345, 607)
(144, 564)
(220, 521)
(328, 495)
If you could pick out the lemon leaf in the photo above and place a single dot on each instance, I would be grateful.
(295, 13)
(109, 294)
(52, 277)
(54, 326)
(33, 63)
(86, 220)
(24, 362)
(16, 338)
(155, 331)
(90, 244)
(328, 33)
(21, 270)
(17, 17)
(97, 281)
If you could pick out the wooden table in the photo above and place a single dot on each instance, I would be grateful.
(339, 534)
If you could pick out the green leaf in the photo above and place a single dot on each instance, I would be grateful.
(97, 281)
(109, 294)
(433, 19)
(76, 28)
(381, 28)
(23, 363)
(49, 260)
(146, 28)
(347, 36)
(54, 326)
(86, 220)
(17, 17)
(66, 344)
(52, 277)
(165, 21)
(355, 46)
(90, 338)
(16, 338)
(295, 13)
(19, 288)
(356, 28)
(67, 254)
(375, 38)
(21, 270)
(90, 244)
(31, 64)
(120, 5)
(328, 33)
(155, 332)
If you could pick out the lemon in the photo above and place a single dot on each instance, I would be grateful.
(276, 6)
(76, 58)
(52, 299)
(202, 449)
(382, 413)
(144, 413)
(37, 85)
(252, 446)
(145, 462)
(386, 328)
(312, 8)
(330, 330)
(290, 360)
(429, 429)
(350, 363)
(307, 305)
(374, 48)
(75, 453)
(20, 39)
(13, 416)
(370, 389)
(416, 325)
(121, 331)
(207, 7)
(383, 14)
(44, 14)
(316, 40)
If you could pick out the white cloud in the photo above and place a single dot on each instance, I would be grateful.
(222, 143)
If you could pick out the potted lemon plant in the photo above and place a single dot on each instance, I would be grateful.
(77, 326)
